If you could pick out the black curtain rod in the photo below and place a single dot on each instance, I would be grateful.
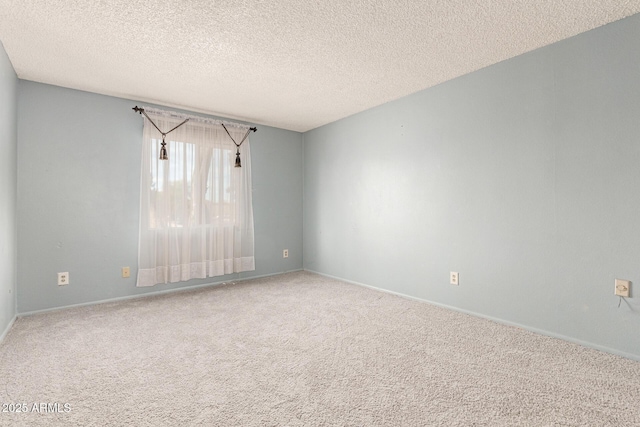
(163, 145)
(141, 111)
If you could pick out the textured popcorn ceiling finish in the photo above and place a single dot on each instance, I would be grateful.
(291, 64)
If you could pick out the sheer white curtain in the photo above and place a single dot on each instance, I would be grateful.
(196, 215)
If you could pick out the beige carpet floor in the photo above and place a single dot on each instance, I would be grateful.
(301, 350)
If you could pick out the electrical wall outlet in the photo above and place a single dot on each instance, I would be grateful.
(285, 253)
(453, 278)
(622, 287)
(63, 278)
(126, 272)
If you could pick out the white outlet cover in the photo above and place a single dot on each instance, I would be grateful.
(454, 278)
(63, 278)
(622, 287)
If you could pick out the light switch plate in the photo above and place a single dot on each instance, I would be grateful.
(622, 287)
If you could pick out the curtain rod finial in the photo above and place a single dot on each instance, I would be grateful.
(255, 129)
(138, 109)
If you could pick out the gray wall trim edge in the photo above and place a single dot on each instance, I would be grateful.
(494, 319)
(8, 328)
(150, 294)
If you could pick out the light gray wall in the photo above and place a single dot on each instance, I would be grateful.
(78, 198)
(8, 178)
(524, 177)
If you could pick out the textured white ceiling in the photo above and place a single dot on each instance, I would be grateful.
(291, 64)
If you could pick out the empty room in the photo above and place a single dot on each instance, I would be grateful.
(248, 213)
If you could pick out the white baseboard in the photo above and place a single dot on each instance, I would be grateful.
(6, 331)
(497, 320)
(150, 294)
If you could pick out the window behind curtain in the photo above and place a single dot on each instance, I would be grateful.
(217, 200)
(196, 216)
